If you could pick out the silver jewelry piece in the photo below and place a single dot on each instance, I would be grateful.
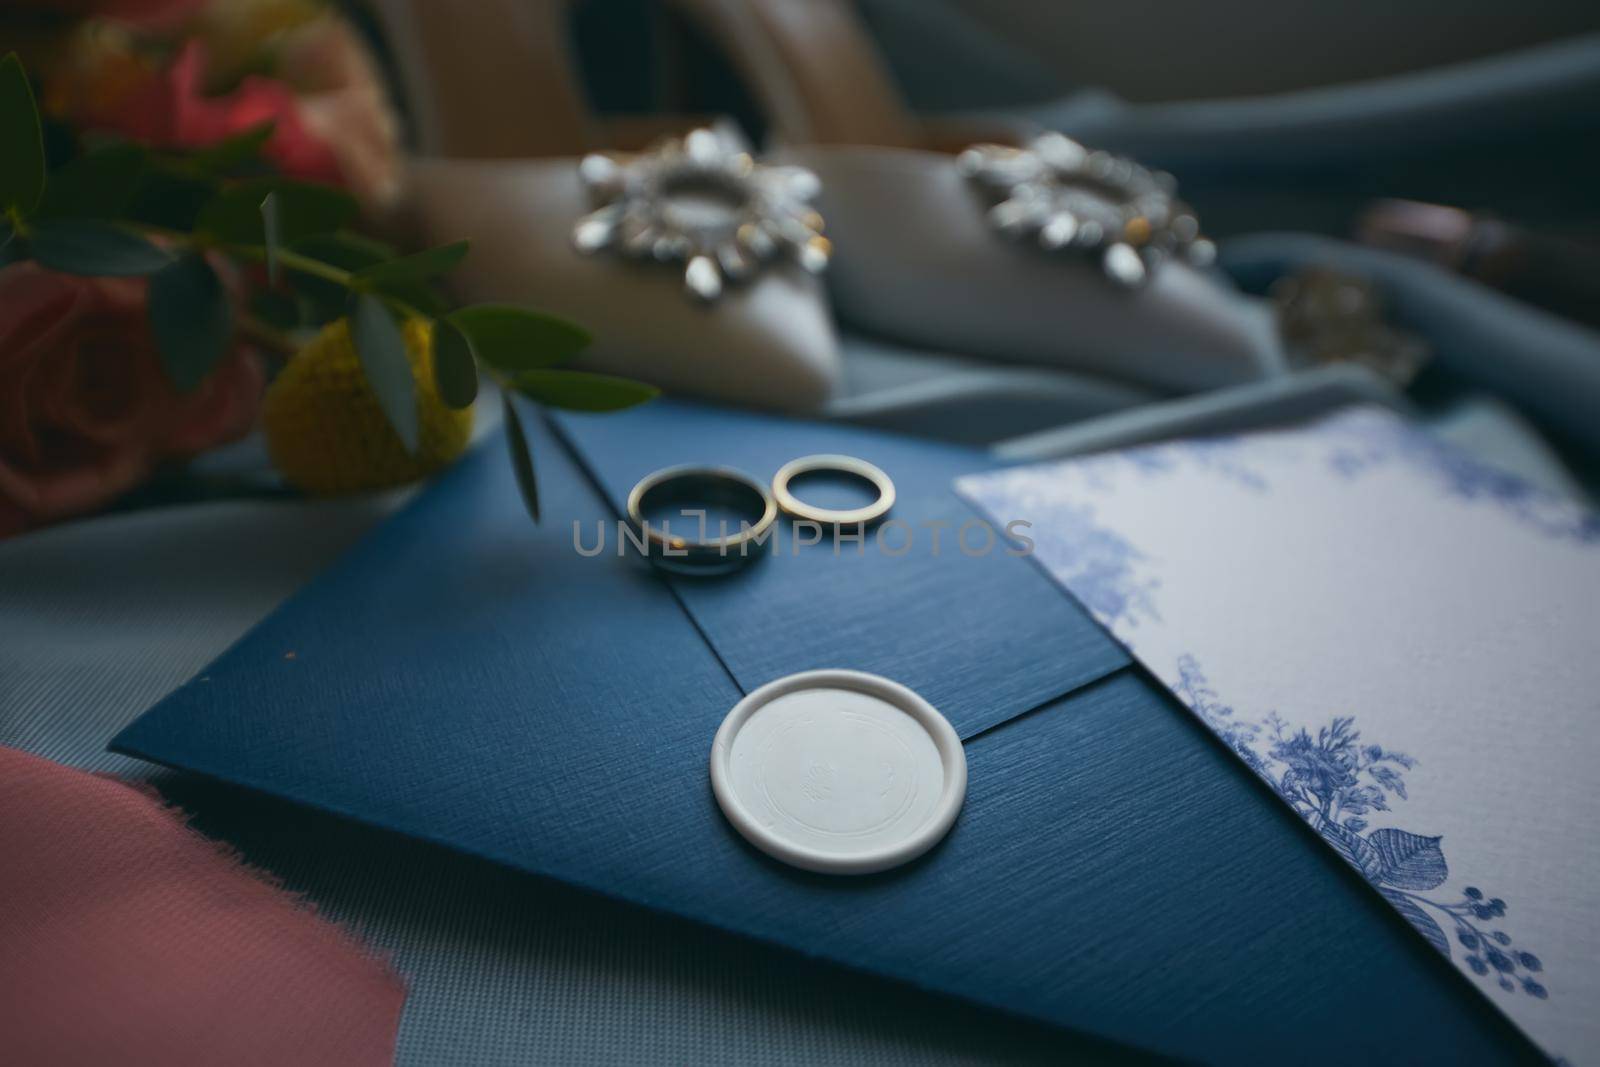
(702, 200)
(1327, 316)
(1066, 197)
(691, 485)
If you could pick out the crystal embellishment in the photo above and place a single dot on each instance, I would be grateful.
(1068, 198)
(701, 200)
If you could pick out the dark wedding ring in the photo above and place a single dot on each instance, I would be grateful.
(848, 465)
(713, 486)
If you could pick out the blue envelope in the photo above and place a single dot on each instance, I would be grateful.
(467, 678)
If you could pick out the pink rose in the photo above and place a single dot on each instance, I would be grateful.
(172, 110)
(86, 411)
(327, 102)
(343, 102)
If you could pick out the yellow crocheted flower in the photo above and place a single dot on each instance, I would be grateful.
(327, 434)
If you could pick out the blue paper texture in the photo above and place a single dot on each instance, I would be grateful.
(978, 635)
(466, 678)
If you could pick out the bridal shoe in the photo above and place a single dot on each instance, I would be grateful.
(498, 98)
(918, 256)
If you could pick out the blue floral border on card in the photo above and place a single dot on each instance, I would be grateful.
(1331, 778)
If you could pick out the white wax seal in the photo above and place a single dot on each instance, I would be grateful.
(838, 771)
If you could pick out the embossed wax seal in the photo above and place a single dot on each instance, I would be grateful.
(838, 771)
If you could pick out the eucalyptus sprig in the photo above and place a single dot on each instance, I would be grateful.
(123, 210)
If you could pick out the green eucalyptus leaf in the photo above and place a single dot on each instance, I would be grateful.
(347, 251)
(22, 168)
(419, 295)
(234, 215)
(521, 457)
(226, 155)
(277, 309)
(307, 210)
(96, 185)
(272, 230)
(514, 339)
(455, 372)
(13, 249)
(382, 350)
(352, 252)
(192, 319)
(173, 201)
(93, 248)
(580, 391)
(422, 265)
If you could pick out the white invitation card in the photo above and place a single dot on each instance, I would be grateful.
(1402, 642)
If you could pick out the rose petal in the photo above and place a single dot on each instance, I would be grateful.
(38, 308)
(85, 407)
(46, 496)
(116, 392)
(223, 409)
(364, 139)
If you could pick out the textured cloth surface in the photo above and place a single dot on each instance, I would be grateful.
(1546, 365)
(129, 937)
(100, 619)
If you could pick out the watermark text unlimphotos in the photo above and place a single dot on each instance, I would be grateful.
(892, 537)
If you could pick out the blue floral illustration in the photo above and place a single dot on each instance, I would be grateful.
(1356, 442)
(1221, 455)
(1237, 734)
(1100, 566)
(1334, 782)
(1365, 441)
(1339, 783)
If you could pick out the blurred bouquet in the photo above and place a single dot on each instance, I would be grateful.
(188, 74)
(177, 202)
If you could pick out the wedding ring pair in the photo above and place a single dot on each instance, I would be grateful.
(755, 504)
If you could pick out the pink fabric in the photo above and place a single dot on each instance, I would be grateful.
(126, 937)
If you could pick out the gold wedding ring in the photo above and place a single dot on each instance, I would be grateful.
(833, 464)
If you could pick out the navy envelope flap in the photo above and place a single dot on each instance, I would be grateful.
(975, 632)
(1113, 869)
